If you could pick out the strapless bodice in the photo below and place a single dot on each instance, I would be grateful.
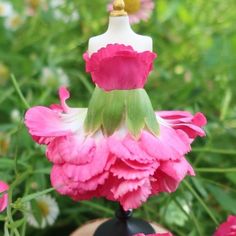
(119, 67)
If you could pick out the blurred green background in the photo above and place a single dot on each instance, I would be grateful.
(195, 70)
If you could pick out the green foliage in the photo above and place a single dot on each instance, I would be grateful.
(107, 110)
(195, 70)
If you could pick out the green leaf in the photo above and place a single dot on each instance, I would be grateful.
(6, 163)
(225, 104)
(16, 224)
(225, 199)
(135, 112)
(6, 127)
(35, 195)
(175, 214)
(140, 113)
(231, 177)
(150, 118)
(107, 110)
(113, 111)
(199, 186)
(94, 116)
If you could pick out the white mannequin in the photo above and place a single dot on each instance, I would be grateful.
(119, 31)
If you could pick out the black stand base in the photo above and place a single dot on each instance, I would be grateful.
(124, 225)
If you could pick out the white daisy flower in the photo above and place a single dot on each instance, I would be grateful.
(49, 210)
(4, 73)
(32, 6)
(56, 77)
(6, 9)
(73, 16)
(15, 115)
(56, 3)
(4, 143)
(137, 9)
(59, 15)
(14, 21)
(63, 78)
(35, 3)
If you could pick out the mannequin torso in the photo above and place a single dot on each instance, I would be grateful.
(119, 31)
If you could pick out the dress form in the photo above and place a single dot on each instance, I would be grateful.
(119, 31)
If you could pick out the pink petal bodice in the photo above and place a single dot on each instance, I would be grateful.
(119, 67)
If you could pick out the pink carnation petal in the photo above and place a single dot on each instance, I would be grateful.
(64, 95)
(126, 186)
(135, 147)
(177, 169)
(191, 125)
(88, 170)
(42, 140)
(76, 189)
(170, 174)
(44, 122)
(61, 182)
(134, 199)
(129, 170)
(178, 144)
(108, 71)
(169, 145)
(53, 151)
(4, 198)
(158, 234)
(73, 149)
(227, 228)
(117, 148)
(174, 115)
(192, 130)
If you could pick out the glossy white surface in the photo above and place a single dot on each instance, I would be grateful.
(119, 31)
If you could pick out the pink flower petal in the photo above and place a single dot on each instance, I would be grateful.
(109, 73)
(64, 95)
(94, 167)
(61, 182)
(44, 122)
(118, 167)
(129, 170)
(135, 198)
(227, 228)
(158, 234)
(129, 149)
(76, 189)
(126, 186)
(4, 198)
(170, 174)
(73, 149)
(169, 145)
(185, 121)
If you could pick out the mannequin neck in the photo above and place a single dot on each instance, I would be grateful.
(119, 25)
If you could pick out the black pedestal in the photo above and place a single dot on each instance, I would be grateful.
(124, 225)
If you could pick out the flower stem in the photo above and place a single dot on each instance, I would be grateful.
(18, 90)
(191, 216)
(209, 212)
(18, 180)
(216, 170)
(215, 150)
(98, 207)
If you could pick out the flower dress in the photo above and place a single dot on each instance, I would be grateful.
(117, 148)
